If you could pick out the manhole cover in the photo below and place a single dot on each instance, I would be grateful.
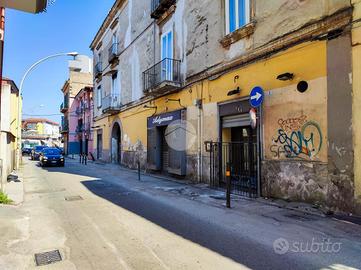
(73, 198)
(47, 257)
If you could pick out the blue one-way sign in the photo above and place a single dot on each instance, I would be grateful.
(256, 97)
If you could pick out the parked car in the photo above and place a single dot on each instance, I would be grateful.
(26, 151)
(35, 153)
(51, 156)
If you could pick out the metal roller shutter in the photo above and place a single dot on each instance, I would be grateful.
(239, 120)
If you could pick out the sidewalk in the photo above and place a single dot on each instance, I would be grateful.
(204, 194)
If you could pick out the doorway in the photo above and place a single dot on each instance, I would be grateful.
(99, 145)
(116, 144)
(237, 150)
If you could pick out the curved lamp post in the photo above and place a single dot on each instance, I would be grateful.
(21, 91)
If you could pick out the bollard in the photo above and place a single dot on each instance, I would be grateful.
(86, 159)
(228, 179)
(138, 170)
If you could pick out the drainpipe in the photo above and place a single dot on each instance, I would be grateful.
(200, 136)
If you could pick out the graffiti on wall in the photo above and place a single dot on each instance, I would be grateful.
(297, 138)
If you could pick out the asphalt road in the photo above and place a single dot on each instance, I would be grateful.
(120, 223)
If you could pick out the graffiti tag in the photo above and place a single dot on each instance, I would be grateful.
(303, 142)
(292, 124)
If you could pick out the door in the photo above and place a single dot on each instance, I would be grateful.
(99, 145)
(167, 56)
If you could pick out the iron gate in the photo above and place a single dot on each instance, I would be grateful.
(242, 159)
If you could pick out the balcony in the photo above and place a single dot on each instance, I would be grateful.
(163, 76)
(64, 107)
(64, 127)
(79, 128)
(159, 7)
(113, 52)
(79, 111)
(98, 70)
(111, 104)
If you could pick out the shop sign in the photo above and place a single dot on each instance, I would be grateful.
(163, 119)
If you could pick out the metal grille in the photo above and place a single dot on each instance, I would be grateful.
(242, 158)
(47, 257)
(167, 70)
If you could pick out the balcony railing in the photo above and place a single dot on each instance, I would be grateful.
(64, 107)
(159, 7)
(111, 104)
(79, 110)
(64, 127)
(113, 52)
(79, 128)
(165, 74)
(98, 70)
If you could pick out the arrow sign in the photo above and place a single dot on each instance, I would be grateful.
(256, 97)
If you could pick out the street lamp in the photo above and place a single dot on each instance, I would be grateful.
(73, 54)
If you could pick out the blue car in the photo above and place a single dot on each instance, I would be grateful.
(35, 153)
(51, 157)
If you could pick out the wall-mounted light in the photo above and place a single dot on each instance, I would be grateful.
(285, 76)
(234, 92)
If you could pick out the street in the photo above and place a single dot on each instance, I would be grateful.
(121, 223)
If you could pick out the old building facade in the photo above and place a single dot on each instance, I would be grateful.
(80, 77)
(83, 102)
(172, 84)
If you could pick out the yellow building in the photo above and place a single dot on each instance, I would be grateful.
(9, 128)
(179, 95)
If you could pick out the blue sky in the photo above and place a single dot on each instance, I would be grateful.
(68, 25)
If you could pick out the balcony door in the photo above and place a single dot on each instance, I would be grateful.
(167, 56)
(115, 95)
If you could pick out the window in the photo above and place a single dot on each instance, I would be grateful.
(167, 55)
(99, 96)
(237, 14)
(114, 44)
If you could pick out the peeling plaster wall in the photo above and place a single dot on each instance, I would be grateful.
(356, 108)
(340, 147)
(295, 143)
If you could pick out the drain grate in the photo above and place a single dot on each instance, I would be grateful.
(73, 198)
(47, 257)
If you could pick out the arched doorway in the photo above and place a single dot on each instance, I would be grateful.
(115, 143)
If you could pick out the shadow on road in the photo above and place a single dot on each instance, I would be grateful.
(191, 225)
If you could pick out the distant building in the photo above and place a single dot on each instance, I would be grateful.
(40, 131)
(80, 77)
(83, 103)
(8, 128)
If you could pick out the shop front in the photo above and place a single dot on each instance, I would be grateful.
(166, 146)
(236, 150)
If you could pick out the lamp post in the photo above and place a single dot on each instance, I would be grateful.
(74, 54)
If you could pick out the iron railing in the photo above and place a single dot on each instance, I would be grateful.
(98, 69)
(64, 125)
(79, 110)
(158, 7)
(111, 103)
(242, 159)
(167, 70)
(113, 52)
